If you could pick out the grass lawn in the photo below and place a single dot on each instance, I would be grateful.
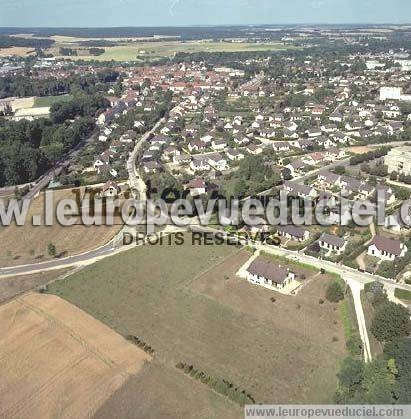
(162, 391)
(402, 294)
(40, 102)
(369, 311)
(348, 315)
(186, 302)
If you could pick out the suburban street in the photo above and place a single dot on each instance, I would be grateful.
(354, 279)
(45, 179)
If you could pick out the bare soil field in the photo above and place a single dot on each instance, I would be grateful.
(28, 243)
(359, 149)
(16, 285)
(186, 303)
(18, 51)
(57, 361)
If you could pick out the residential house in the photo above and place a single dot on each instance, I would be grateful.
(111, 189)
(199, 164)
(197, 145)
(217, 161)
(196, 187)
(254, 149)
(181, 159)
(151, 166)
(328, 179)
(269, 274)
(234, 154)
(313, 132)
(386, 249)
(332, 243)
(241, 139)
(300, 190)
(296, 167)
(218, 145)
(293, 232)
(170, 152)
(328, 128)
(290, 134)
(281, 146)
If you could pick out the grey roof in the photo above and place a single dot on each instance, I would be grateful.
(292, 230)
(268, 270)
(332, 240)
(298, 188)
(388, 245)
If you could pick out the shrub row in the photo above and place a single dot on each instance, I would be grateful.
(220, 385)
(141, 344)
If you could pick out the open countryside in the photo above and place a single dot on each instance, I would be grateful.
(200, 312)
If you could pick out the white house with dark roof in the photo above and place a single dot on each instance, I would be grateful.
(234, 154)
(293, 232)
(199, 164)
(297, 189)
(281, 146)
(332, 243)
(269, 274)
(217, 161)
(386, 249)
(296, 167)
(110, 189)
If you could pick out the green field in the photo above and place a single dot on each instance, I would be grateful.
(154, 50)
(402, 294)
(187, 303)
(44, 101)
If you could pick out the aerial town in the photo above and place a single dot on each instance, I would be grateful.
(202, 320)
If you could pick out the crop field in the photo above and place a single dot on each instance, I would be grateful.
(186, 302)
(154, 50)
(92, 363)
(16, 51)
(29, 244)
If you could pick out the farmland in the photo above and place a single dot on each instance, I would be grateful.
(16, 51)
(187, 303)
(29, 243)
(14, 286)
(161, 391)
(41, 326)
(154, 50)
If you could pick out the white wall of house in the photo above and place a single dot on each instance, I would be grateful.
(266, 283)
(384, 255)
(332, 248)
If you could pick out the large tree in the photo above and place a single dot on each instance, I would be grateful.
(391, 321)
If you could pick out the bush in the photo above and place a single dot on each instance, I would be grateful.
(335, 291)
(220, 385)
(354, 344)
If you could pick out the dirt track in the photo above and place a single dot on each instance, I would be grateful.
(57, 361)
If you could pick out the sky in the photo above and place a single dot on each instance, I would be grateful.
(103, 13)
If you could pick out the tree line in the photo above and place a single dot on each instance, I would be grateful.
(386, 379)
(29, 148)
(26, 85)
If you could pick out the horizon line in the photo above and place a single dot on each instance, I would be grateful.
(214, 25)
